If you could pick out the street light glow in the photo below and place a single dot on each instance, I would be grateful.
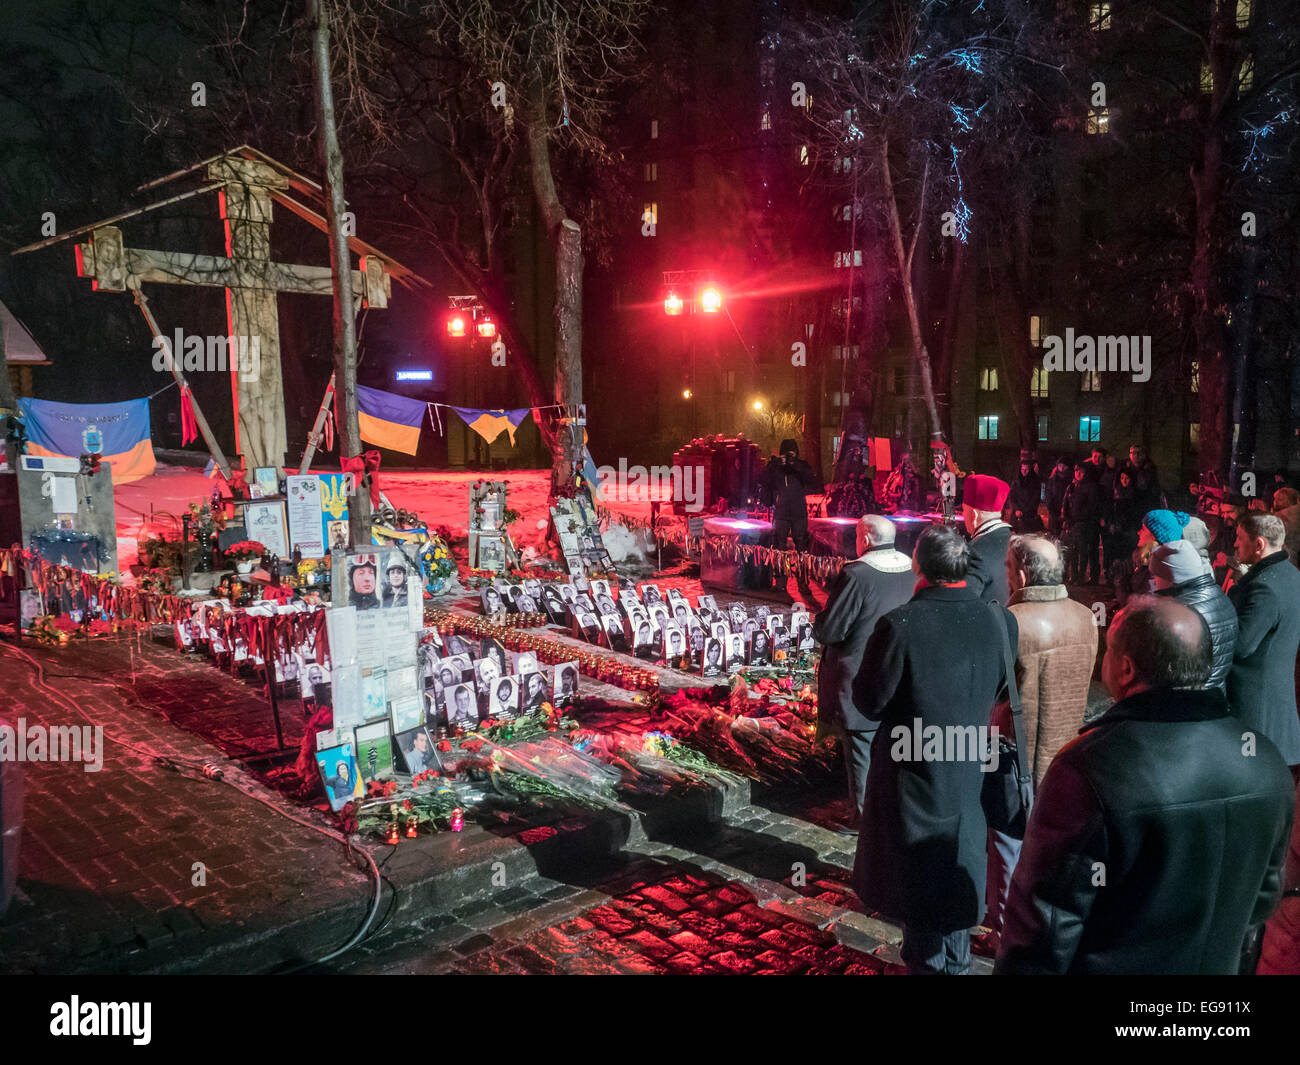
(672, 303)
(758, 404)
(711, 300)
(456, 326)
(687, 393)
(487, 328)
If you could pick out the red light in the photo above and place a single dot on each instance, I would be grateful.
(456, 326)
(672, 303)
(487, 328)
(711, 300)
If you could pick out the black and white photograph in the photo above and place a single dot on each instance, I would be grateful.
(760, 648)
(533, 692)
(712, 663)
(503, 701)
(565, 683)
(642, 638)
(553, 603)
(736, 652)
(650, 594)
(615, 637)
(460, 705)
(493, 601)
(486, 673)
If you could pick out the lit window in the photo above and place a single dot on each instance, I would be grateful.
(840, 399)
(766, 121)
(1194, 434)
(1038, 383)
(899, 421)
(844, 258)
(1207, 78)
(1035, 329)
(807, 103)
(1042, 427)
(652, 171)
(804, 157)
(654, 129)
(1243, 14)
(1098, 120)
(837, 351)
(1246, 81)
(988, 427)
(650, 213)
(1091, 381)
(989, 379)
(1089, 428)
(1196, 377)
(1099, 16)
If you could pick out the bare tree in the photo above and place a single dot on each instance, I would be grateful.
(558, 63)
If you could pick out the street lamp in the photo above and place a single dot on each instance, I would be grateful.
(758, 404)
(687, 393)
(673, 303)
(456, 325)
(711, 300)
(487, 327)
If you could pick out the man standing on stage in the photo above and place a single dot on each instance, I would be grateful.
(785, 482)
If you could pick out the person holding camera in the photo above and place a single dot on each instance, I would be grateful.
(784, 484)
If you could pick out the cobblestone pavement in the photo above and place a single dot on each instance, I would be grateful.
(768, 895)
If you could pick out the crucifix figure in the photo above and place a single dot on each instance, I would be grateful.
(247, 183)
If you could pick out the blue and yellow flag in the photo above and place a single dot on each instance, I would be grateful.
(117, 432)
(489, 424)
(389, 420)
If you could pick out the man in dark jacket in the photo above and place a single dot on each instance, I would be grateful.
(1157, 840)
(1081, 514)
(930, 675)
(983, 498)
(786, 481)
(1261, 685)
(1026, 494)
(1180, 573)
(1146, 478)
(879, 580)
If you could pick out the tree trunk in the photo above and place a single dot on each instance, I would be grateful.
(948, 337)
(344, 317)
(904, 264)
(566, 239)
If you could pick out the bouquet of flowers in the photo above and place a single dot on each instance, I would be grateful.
(244, 551)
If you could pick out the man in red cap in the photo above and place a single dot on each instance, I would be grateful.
(983, 498)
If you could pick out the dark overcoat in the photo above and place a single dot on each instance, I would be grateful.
(1261, 683)
(922, 845)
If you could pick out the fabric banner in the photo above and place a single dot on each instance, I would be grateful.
(117, 432)
(389, 420)
(489, 424)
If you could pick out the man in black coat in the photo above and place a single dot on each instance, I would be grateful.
(983, 498)
(879, 580)
(930, 675)
(1261, 685)
(785, 482)
(1157, 839)
(1081, 514)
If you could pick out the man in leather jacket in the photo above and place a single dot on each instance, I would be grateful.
(786, 481)
(1157, 840)
(1180, 573)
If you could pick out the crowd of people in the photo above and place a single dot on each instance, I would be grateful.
(1157, 834)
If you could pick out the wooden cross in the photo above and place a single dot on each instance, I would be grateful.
(246, 188)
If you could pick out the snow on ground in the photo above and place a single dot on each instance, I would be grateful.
(439, 497)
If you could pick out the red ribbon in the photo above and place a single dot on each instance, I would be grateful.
(366, 467)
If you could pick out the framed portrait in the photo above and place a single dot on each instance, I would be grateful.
(806, 641)
(523, 662)
(760, 648)
(267, 479)
(487, 671)
(720, 630)
(599, 587)
(735, 652)
(553, 604)
(462, 665)
(650, 594)
(682, 615)
(674, 643)
(797, 618)
(266, 525)
(564, 686)
(374, 752)
(406, 712)
(338, 772)
(589, 627)
(492, 600)
(567, 592)
(642, 637)
(495, 650)
(416, 751)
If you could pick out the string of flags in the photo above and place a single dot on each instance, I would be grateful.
(391, 421)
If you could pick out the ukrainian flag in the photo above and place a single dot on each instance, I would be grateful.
(390, 421)
(489, 424)
(117, 432)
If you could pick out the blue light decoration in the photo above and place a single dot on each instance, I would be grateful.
(1260, 133)
(415, 375)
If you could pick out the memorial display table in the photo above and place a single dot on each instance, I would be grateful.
(722, 570)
